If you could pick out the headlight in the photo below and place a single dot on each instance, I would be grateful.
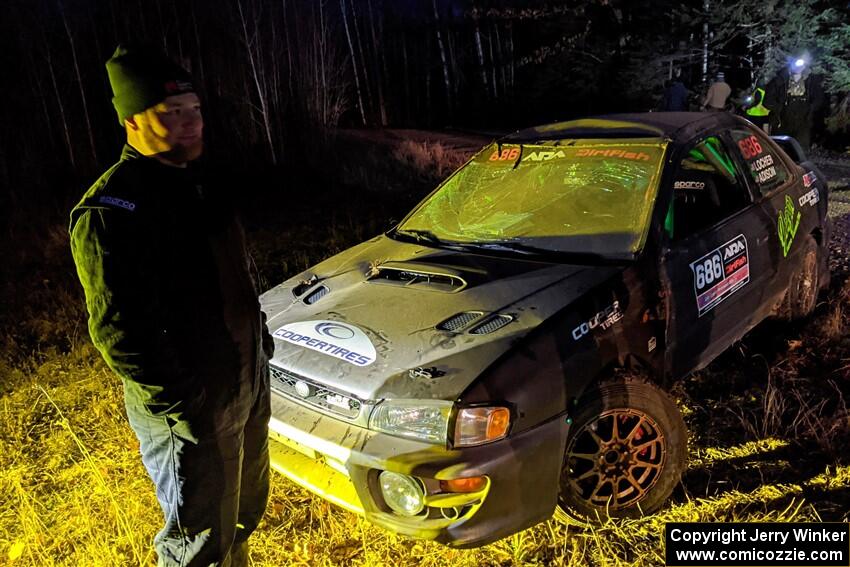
(475, 426)
(425, 420)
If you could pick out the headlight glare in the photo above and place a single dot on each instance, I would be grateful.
(425, 420)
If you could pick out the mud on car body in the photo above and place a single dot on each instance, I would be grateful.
(504, 352)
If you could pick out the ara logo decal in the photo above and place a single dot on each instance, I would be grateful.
(720, 273)
(811, 198)
(604, 320)
(734, 248)
(789, 222)
(345, 342)
(545, 156)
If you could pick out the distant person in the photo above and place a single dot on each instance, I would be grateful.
(174, 312)
(755, 111)
(717, 95)
(675, 97)
(794, 96)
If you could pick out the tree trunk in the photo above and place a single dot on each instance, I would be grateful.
(511, 55)
(366, 82)
(79, 81)
(253, 48)
(480, 52)
(446, 80)
(353, 62)
(66, 130)
(376, 49)
(197, 42)
(288, 49)
(492, 65)
(406, 68)
(500, 63)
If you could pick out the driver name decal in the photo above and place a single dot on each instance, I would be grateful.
(339, 340)
(720, 273)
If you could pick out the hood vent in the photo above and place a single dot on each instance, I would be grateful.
(417, 276)
(491, 324)
(316, 295)
(459, 321)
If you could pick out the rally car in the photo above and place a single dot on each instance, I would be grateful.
(503, 353)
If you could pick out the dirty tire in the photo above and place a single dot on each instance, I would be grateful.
(626, 452)
(802, 294)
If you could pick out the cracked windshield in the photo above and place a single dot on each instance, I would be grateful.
(583, 197)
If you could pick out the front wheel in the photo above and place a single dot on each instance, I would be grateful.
(626, 452)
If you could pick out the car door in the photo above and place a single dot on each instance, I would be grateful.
(789, 199)
(715, 263)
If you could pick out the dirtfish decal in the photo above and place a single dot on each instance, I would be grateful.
(789, 221)
(345, 342)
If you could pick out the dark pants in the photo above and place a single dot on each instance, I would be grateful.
(210, 464)
(796, 121)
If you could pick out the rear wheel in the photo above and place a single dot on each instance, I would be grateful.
(626, 452)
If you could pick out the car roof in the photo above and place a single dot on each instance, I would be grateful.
(679, 127)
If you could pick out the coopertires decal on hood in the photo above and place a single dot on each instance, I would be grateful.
(339, 340)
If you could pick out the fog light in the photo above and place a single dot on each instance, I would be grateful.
(402, 493)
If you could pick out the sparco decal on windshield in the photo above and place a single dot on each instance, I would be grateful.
(332, 338)
(720, 273)
(604, 320)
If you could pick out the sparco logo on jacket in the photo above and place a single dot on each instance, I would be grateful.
(339, 340)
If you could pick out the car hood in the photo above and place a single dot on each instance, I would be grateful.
(367, 321)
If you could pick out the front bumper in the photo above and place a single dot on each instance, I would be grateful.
(340, 462)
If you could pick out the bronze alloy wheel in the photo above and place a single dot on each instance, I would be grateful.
(625, 452)
(616, 459)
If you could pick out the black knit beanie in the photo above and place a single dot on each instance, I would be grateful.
(141, 77)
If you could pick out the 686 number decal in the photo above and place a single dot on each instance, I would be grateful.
(708, 271)
(720, 273)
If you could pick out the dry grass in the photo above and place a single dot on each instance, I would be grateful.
(769, 425)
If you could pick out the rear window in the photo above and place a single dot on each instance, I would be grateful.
(766, 168)
(582, 196)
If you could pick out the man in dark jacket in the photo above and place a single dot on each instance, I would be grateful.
(173, 310)
(793, 98)
(675, 97)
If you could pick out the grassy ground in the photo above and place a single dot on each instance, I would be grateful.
(769, 424)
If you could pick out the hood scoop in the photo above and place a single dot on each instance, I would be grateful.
(418, 276)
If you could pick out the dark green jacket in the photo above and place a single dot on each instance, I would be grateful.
(172, 305)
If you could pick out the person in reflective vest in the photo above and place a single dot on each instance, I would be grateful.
(756, 112)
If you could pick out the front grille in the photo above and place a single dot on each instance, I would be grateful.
(309, 392)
